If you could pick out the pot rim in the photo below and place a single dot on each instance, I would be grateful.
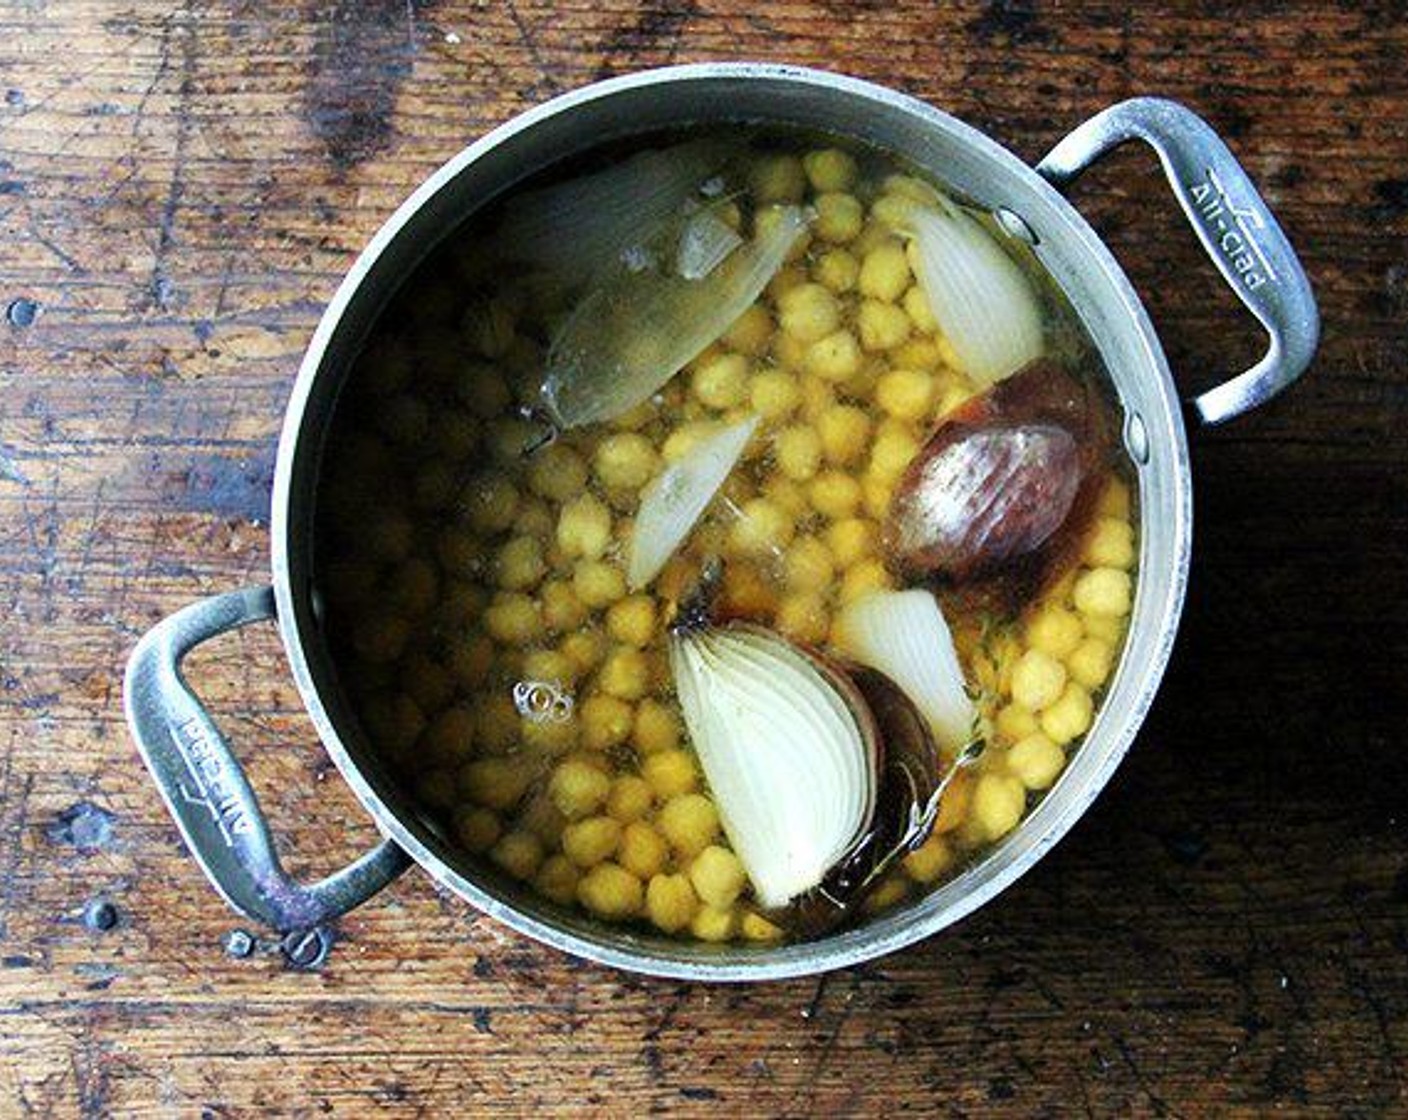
(879, 936)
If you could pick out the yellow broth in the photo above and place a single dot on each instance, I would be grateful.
(476, 603)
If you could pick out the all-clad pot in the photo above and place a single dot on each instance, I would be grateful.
(202, 782)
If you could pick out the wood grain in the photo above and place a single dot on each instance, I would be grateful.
(181, 187)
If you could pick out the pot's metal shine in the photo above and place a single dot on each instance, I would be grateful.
(668, 99)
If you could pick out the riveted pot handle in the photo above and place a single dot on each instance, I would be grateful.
(1234, 225)
(206, 790)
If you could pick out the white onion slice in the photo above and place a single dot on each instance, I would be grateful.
(788, 748)
(642, 322)
(984, 304)
(675, 498)
(575, 228)
(903, 634)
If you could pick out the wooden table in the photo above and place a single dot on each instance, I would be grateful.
(181, 187)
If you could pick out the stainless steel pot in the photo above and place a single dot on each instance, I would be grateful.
(199, 776)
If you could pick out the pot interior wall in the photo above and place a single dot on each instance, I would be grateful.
(703, 95)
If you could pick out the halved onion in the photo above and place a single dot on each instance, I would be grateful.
(674, 500)
(984, 304)
(642, 321)
(789, 748)
(903, 634)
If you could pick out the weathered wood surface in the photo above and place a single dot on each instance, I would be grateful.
(181, 187)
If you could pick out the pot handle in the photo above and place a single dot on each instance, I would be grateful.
(205, 788)
(1232, 222)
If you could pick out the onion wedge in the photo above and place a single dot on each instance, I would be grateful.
(903, 634)
(675, 498)
(642, 321)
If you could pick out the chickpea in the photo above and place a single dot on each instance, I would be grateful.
(450, 735)
(689, 822)
(906, 394)
(1014, 722)
(774, 394)
(882, 326)
(1114, 500)
(1090, 662)
(809, 565)
(876, 493)
(808, 312)
(625, 674)
(929, 861)
(518, 853)
(844, 430)
(711, 924)
(1055, 631)
(787, 496)
(916, 306)
(670, 772)
(829, 169)
(685, 439)
(884, 272)
(863, 578)
(1070, 716)
(717, 876)
(656, 729)
(894, 450)
(632, 620)
(837, 271)
(1105, 592)
(803, 617)
(413, 586)
(585, 649)
(380, 635)
(433, 487)
(496, 721)
(721, 382)
(549, 665)
(586, 843)
(778, 178)
(394, 722)
(642, 851)
(513, 619)
(751, 332)
(605, 721)
(998, 804)
(598, 584)
(427, 682)
(762, 527)
(534, 520)
(584, 527)
(388, 536)
(611, 891)
(798, 452)
(835, 495)
(851, 540)
(1036, 761)
(1107, 628)
(630, 799)
(477, 829)
(436, 788)
(557, 880)
(491, 503)
(768, 219)
(892, 889)
(495, 783)
(835, 357)
(520, 564)
(839, 217)
(482, 391)
(562, 610)
(557, 472)
(404, 420)
(1038, 680)
(1111, 544)
(459, 552)
(671, 902)
(578, 789)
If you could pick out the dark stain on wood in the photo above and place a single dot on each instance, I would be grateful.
(85, 826)
(650, 38)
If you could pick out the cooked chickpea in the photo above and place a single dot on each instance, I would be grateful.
(671, 902)
(835, 494)
(578, 789)
(1038, 679)
(388, 536)
(496, 721)
(520, 564)
(863, 578)
(798, 452)
(605, 721)
(1036, 761)
(906, 394)
(557, 472)
(803, 617)
(562, 610)
(686, 438)
(851, 540)
(1070, 717)
(468, 658)
(404, 420)
(839, 217)
(513, 619)
(630, 798)
(557, 879)
(1108, 628)
(754, 927)
(428, 682)
(380, 636)
(767, 219)
(611, 891)
(1105, 592)
(519, 853)
(929, 861)
(1114, 500)
(837, 271)
(433, 487)
(642, 851)
(1111, 544)
(1015, 722)
(495, 783)
(722, 382)
(916, 306)
(450, 735)
(762, 528)
(834, 357)
(844, 431)
(884, 272)
(656, 730)
(625, 673)
(436, 788)
(632, 620)
(882, 326)
(713, 924)
(1055, 631)
(751, 332)
(717, 876)
(778, 178)
(809, 565)
(670, 772)
(584, 527)
(477, 829)
(413, 587)
(490, 502)
(598, 584)
(829, 169)
(998, 804)
(808, 312)
(587, 842)
(774, 394)
(1090, 662)
(894, 450)
(891, 890)
(689, 822)
(625, 460)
